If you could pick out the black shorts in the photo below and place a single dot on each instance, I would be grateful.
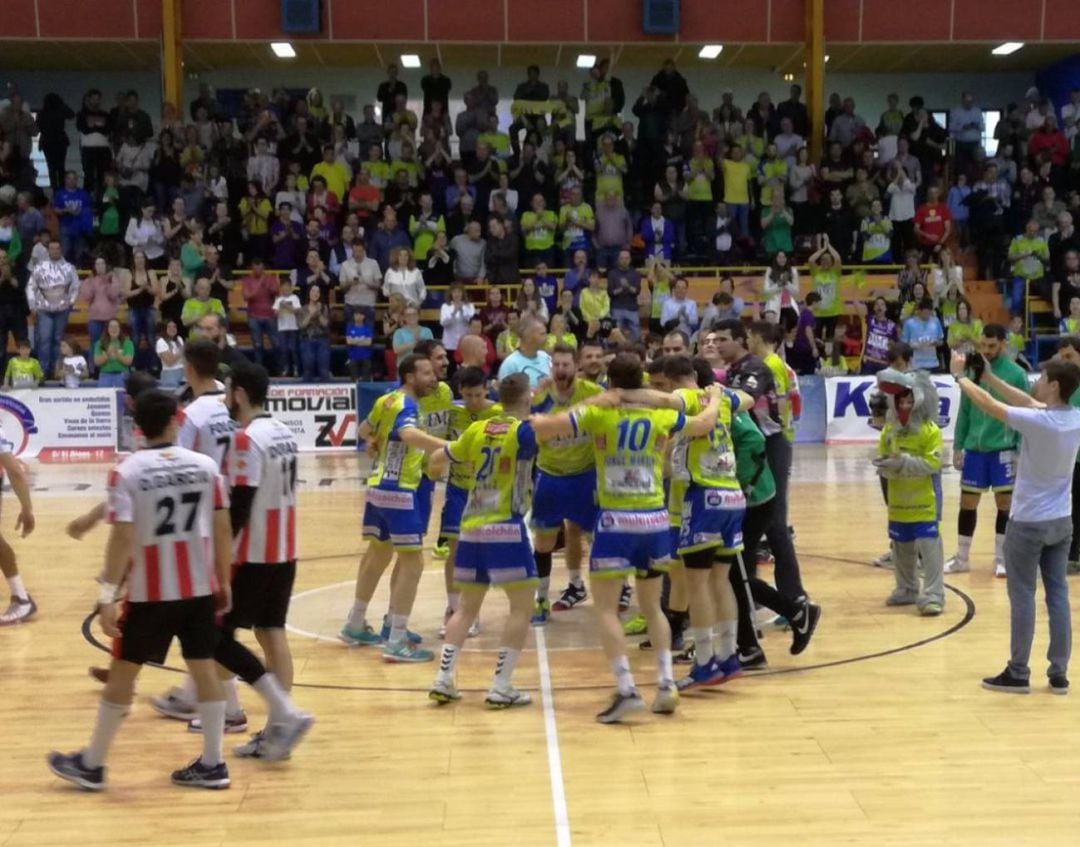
(149, 628)
(703, 560)
(260, 595)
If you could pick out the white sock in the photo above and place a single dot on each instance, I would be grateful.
(447, 663)
(15, 583)
(543, 588)
(107, 725)
(232, 697)
(963, 548)
(665, 670)
(398, 628)
(452, 600)
(624, 680)
(575, 579)
(703, 646)
(725, 638)
(189, 692)
(504, 667)
(212, 714)
(999, 549)
(358, 615)
(276, 698)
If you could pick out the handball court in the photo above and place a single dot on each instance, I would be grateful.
(878, 734)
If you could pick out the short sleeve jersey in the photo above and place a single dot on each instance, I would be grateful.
(629, 445)
(399, 467)
(500, 452)
(708, 461)
(573, 454)
(264, 458)
(206, 426)
(435, 411)
(461, 473)
(914, 499)
(170, 494)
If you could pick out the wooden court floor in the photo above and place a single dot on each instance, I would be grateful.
(879, 734)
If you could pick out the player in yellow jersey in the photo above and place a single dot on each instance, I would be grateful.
(392, 517)
(631, 534)
(475, 405)
(493, 549)
(565, 495)
(434, 420)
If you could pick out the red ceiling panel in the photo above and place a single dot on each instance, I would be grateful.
(842, 20)
(149, 20)
(1062, 20)
(615, 20)
(208, 19)
(787, 20)
(400, 20)
(556, 21)
(910, 20)
(97, 19)
(483, 22)
(732, 20)
(17, 20)
(258, 19)
(1006, 20)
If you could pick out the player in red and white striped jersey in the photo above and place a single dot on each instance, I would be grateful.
(168, 508)
(205, 424)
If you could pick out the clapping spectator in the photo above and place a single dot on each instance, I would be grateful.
(410, 333)
(170, 350)
(500, 263)
(113, 355)
(924, 333)
(72, 369)
(494, 314)
(454, 316)
(314, 322)
(255, 212)
(101, 292)
(260, 291)
(680, 311)
(286, 309)
(404, 278)
(199, 306)
(23, 371)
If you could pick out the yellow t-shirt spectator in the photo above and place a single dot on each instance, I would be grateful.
(737, 182)
(337, 178)
(595, 304)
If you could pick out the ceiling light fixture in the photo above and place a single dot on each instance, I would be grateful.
(1008, 48)
(710, 51)
(410, 60)
(283, 49)
(586, 60)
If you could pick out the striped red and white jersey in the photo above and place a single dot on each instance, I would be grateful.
(170, 494)
(263, 457)
(206, 427)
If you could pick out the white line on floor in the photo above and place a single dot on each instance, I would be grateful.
(558, 790)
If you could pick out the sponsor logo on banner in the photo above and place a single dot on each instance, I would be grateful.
(17, 423)
(848, 407)
(321, 417)
(61, 425)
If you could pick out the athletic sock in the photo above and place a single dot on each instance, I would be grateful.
(15, 583)
(398, 628)
(107, 725)
(358, 615)
(504, 667)
(232, 697)
(999, 549)
(277, 700)
(726, 638)
(447, 662)
(664, 668)
(575, 579)
(963, 548)
(452, 600)
(543, 588)
(624, 680)
(212, 714)
(703, 646)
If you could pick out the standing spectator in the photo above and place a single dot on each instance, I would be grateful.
(901, 194)
(95, 128)
(679, 311)
(539, 225)
(881, 334)
(28, 221)
(670, 192)
(140, 287)
(363, 199)
(876, 235)
(777, 221)
(312, 274)
(699, 176)
(260, 290)
(286, 308)
(614, 229)
(933, 223)
(485, 95)
(17, 125)
(595, 306)
(361, 280)
(72, 369)
(494, 315)
(170, 350)
(959, 209)
(75, 209)
(101, 293)
(780, 289)
(1066, 238)
(255, 212)
(52, 137)
(468, 251)
(358, 340)
(22, 371)
(826, 268)
(454, 317)
(388, 91)
(405, 279)
(966, 126)
(1046, 211)
(171, 292)
(146, 234)
(924, 333)
(1029, 256)
(624, 288)
(424, 225)
(847, 125)
(577, 222)
(658, 233)
(737, 174)
(51, 294)
(436, 87)
(286, 241)
(1050, 140)
(577, 276)
(501, 254)
(801, 177)
(334, 174)
(387, 238)
(264, 168)
(841, 225)
(314, 322)
(468, 125)
(201, 304)
(794, 109)
(12, 307)
(113, 355)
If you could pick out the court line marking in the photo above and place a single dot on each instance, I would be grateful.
(551, 734)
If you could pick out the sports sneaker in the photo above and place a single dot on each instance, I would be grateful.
(731, 668)
(957, 565)
(18, 611)
(255, 748)
(474, 629)
(637, 625)
(686, 657)
(999, 570)
(753, 660)
(899, 597)
(440, 551)
(763, 555)
(175, 705)
(280, 737)
(803, 626)
(198, 775)
(572, 595)
(666, 700)
(625, 596)
(620, 706)
(541, 613)
(1059, 684)
(506, 698)
(702, 676)
(233, 724)
(359, 637)
(406, 653)
(443, 692)
(780, 622)
(931, 610)
(71, 768)
(884, 560)
(1007, 683)
(412, 637)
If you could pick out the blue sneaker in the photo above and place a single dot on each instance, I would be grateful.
(365, 637)
(730, 667)
(406, 653)
(702, 676)
(541, 613)
(71, 768)
(384, 634)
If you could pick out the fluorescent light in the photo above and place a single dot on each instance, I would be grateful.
(410, 60)
(1008, 48)
(710, 51)
(826, 57)
(586, 60)
(283, 49)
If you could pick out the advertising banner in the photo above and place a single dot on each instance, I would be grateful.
(61, 425)
(322, 417)
(847, 409)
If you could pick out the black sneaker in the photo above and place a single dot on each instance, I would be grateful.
(686, 657)
(198, 775)
(753, 660)
(572, 595)
(621, 705)
(803, 626)
(624, 597)
(74, 771)
(1059, 684)
(1007, 683)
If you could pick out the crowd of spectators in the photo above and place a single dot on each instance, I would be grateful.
(361, 229)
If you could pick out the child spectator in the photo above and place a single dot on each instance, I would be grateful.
(358, 337)
(286, 308)
(71, 370)
(1070, 324)
(23, 371)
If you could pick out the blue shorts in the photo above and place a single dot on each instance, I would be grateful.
(564, 498)
(904, 532)
(982, 471)
(423, 500)
(452, 510)
(712, 519)
(392, 517)
(498, 554)
(627, 543)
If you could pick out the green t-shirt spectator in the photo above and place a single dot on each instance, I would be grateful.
(777, 233)
(1029, 257)
(115, 366)
(699, 179)
(775, 169)
(110, 214)
(195, 310)
(827, 284)
(609, 174)
(539, 229)
(23, 373)
(423, 232)
(191, 260)
(574, 236)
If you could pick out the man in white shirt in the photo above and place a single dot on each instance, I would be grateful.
(1040, 519)
(530, 358)
(360, 279)
(679, 310)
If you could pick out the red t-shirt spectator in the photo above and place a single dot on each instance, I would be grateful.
(260, 292)
(930, 220)
(1053, 141)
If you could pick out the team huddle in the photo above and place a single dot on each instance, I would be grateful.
(668, 474)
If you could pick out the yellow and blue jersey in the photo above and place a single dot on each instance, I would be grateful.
(914, 499)
(708, 461)
(571, 455)
(500, 453)
(461, 473)
(398, 466)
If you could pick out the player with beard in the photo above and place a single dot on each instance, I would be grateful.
(434, 420)
(591, 364)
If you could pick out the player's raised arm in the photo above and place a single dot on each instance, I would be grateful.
(548, 427)
(415, 437)
(652, 398)
(704, 422)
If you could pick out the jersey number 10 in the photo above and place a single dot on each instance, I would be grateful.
(633, 435)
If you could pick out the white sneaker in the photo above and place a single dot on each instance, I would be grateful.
(443, 692)
(884, 560)
(999, 570)
(956, 565)
(175, 705)
(505, 698)
(18, 611)
(280, 738)
(474, 630)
